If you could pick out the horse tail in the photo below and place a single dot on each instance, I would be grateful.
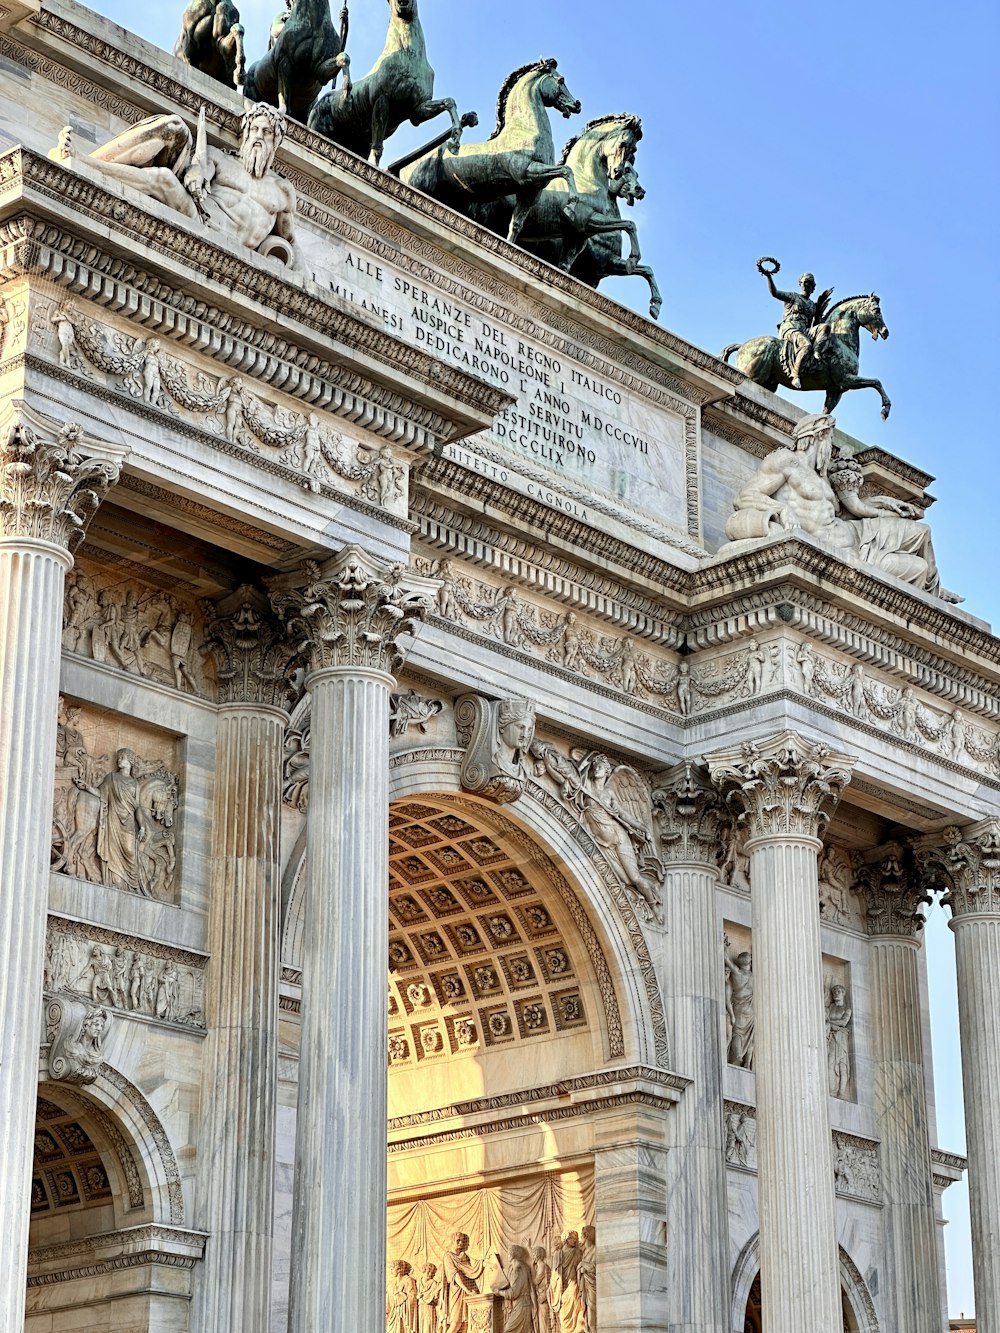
(727, 352)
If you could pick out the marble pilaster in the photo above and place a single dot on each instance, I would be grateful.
(690, 821)
(630, 1203)
(241, 1051)
(966, 862)
(52, 480)
(347, 616)
(891, 895)
(785, 789)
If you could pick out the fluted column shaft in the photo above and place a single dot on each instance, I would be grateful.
(800, 1276)
(901, 1116)
(338, 1226)
(977, 956)
(52, 480)
(32, 576)
(241, 1051)
(698, 1251)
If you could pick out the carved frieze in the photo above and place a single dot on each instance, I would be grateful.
(352, 611)
(123, 973)
(857, 1171)
(496, 735)
(114, 812)
(227, 408)
(125, 623)
(52, 477)
(782, 786)
(741, 1135)
(411, 709)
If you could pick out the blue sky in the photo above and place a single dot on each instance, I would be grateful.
(854, 140)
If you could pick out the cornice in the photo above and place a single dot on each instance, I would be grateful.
(114, 1251)
(35, 194)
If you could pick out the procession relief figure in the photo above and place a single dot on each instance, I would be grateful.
(120, 829)
(461, 1276)
(516, 1285)
(541, 1272)
(587, 1273)
(739, 1007)
(401, 1307)
(566, 1295)
(240, 196)
(835, 882)
(838, 1042)
(808, 487)
(428, 1296)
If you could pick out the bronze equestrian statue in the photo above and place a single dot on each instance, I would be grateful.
(398, 87)
(212, 40)
(306, 51)
(817, 348)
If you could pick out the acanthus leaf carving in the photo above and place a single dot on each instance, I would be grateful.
(965, 862)
(52, 477)
(497, 735)
(784, 785)
(890, 886)
(252, 655)
(691, 818)
(352, 611)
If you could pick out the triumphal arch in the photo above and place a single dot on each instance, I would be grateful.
(473, 762)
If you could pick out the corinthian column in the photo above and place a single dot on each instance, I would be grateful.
(892, 895)
(240, 1077)
(786, 788)
(348, 617)
(690, 821)
(967, 863)
(52, 480)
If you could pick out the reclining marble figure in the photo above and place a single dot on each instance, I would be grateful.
(239, 195)
(809, 487)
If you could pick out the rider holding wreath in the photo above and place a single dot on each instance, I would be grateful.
(801, 329)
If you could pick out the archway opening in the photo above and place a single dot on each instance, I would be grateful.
(753, 1320)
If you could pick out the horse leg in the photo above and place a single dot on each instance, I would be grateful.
(428, 110)
(627, 268)
(833, 397)
(601, 226)
(856, 382)
(380, 120)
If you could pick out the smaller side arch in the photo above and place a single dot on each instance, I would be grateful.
(852, 1285)
(146, 1140)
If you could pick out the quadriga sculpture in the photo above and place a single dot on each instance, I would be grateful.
(212, 40)
(575, 221)
(398, 87)
(305, 52)
(518, 158)
(816, 348)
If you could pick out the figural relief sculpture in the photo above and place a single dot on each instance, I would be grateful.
(497, 735)
(77, 1050)
(838, 1042)
(739, 1007)
(238, 196)
(809, 487)
(113, 820)
(817, 346)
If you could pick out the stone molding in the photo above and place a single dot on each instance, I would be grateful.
(890, 888)
(114, 1251)
(78, 1031)
(781, 786)
(965, 863)
(52, 477)
(691, 816)
(252, 655)
(351, 611)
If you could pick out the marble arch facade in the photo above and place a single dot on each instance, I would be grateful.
(286, 573)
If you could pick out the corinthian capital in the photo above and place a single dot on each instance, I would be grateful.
(252, 655)
(52, 477)
(690, 815)
(782, 786)
(965, 862)
(352, 610)
(889, 883)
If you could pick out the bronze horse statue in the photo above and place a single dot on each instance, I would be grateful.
(398, 87)
(575, 221)
(518, 158)
(306, 51)
(211, 40)
(833, 365)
